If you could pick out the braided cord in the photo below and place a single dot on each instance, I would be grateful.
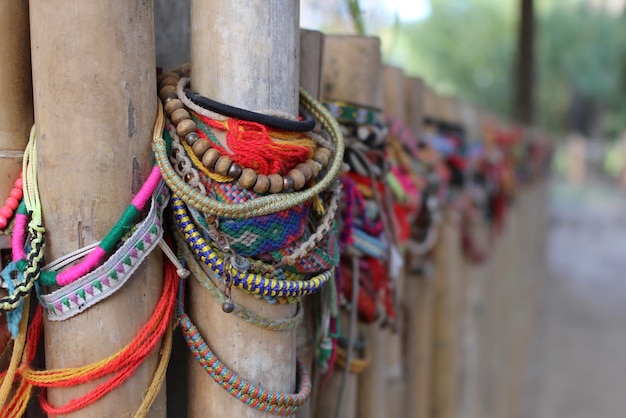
(31, 266)
(263, 205)
(240, 311)
(282, 404)
(250, 282)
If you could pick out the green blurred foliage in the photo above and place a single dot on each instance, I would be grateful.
(467, 48)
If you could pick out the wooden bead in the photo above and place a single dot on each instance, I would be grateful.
(210, 158)
(305, 169)
(183, 70)
(234, 171)
(317, 167)
(287, 184)
(297, 177)
(223, 165)
(201, 147)
(322, 156)
(168, 93)
(262, 184)
(184, 127)
(188, 177)
(179, 115)
(170, 79)
(191, 138)
(276, 183)
(173, 105)
(248, 178)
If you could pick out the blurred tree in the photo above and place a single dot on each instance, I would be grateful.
(524, 82)
(467, 48)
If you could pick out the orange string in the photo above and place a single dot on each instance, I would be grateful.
(121, 365)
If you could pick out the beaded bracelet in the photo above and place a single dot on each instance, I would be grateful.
(240, 311)
(108, 278)
(282, 404)
(123, 225)
(262, 205)
(12, 202)
(242, 280)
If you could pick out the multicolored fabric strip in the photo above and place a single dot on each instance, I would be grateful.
(107, 279)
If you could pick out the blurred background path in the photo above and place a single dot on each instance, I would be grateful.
(577, 367)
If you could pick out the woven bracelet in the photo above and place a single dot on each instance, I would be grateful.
(107, 279)
(250, 282)
(282, 404)
(238, 310)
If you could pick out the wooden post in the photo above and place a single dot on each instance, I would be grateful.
(418, 291)
(311, 58)
(246, 54)
(447, 260)
(446, 296)
(394, 105)
(16, 104)
(352, 73)
(95, 104)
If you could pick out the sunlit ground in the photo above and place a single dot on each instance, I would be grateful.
(578, 362)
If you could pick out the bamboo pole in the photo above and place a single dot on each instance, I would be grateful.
(352, 73)
(445, 326)
(395, 105)
(311, 57)
(471, 290)
(16, 116)
(95, 103)
(245, 54)
(448, 264)
(419, 293)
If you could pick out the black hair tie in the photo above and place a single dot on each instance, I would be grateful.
(305, 125)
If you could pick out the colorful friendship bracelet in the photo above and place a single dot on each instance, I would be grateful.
(345, 112)
(109, 277)
(262, 205)
(250, 282)
(282, 404)
(108, 243)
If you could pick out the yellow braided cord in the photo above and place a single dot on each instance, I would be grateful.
(29, 174)
(357, 365)
(159, 375)
(16, 356)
